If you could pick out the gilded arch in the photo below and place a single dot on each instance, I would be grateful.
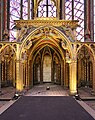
(45, 33)
(89, 48)
(85, 61)
(8, 63)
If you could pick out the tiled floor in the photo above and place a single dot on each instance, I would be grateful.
(91, 104)
(7, 93)
(53, 90)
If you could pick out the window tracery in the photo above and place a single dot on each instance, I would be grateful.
(78, 15)
(15, 14)
(46, 8)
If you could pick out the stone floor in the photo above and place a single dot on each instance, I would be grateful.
(88, 96)
(47, 90)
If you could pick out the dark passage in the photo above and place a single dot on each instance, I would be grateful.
(45, 108)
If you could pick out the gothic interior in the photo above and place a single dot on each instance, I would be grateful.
(47, 41)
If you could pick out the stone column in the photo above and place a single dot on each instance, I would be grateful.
(73, 77)
(5, 19)
(28, 9)
(87, 21)
(32, 11)
(92, 19)
(5, 14)
(19, 71)
(72, 9)
(1, 20)
(21, 9)
(62, 9)
(94, 75)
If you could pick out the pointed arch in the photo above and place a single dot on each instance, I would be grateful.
(47, 34)
(90, 50)
(7, 45)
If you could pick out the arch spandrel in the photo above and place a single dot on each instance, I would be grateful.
(46, 33)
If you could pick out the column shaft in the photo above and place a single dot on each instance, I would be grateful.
(28, 9)
(1, 20)
(19, 80)
(92, 19)
(0, 74)
(62, 9)
(73, 78)
(62, 74)
(21, 9)
(72, 9)
(19, 71)
(94, 76)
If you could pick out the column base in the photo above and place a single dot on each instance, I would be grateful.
(73, 92)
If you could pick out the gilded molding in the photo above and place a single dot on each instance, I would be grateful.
(45, 22)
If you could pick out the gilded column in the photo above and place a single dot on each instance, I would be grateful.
(73, 70)
(14, 77)
(2, 68)
(32, 75)
(52, 71)
(94, 75)
(62, 74)
(79, 72)
(73, 77)
(87, 76)
(19, 80)
(5, 70)
(0, 74)
(41, 72)
(26, 73)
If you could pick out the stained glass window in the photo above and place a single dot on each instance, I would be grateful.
(25, 9)
(15, 14)
(78, 15)
(46, 8)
